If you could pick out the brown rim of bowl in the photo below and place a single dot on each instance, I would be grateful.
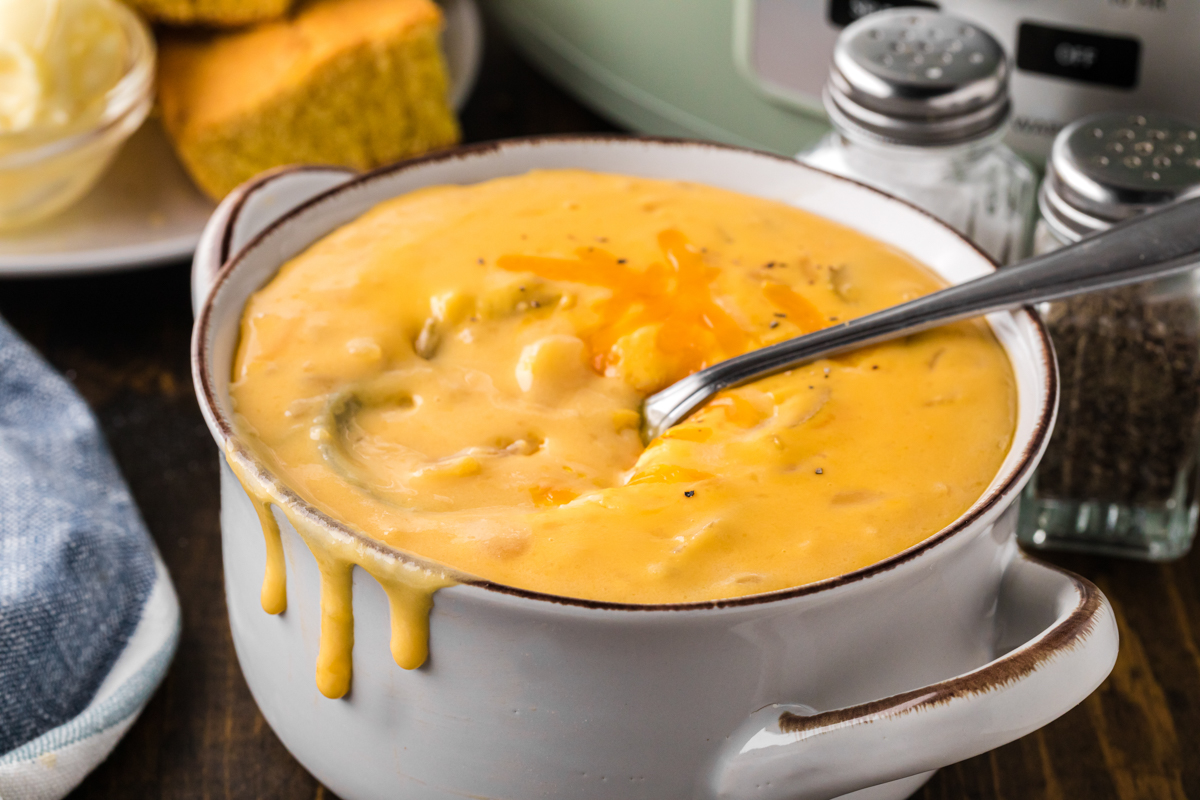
(243, 193)
(1003, 670)
(207, 394)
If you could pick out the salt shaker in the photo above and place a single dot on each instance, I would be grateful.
(1119, 475)
(919, 104)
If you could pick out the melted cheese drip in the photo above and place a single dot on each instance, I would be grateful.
(458, 374)
(409, 588)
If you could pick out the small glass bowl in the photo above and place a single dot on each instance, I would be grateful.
(44, 177)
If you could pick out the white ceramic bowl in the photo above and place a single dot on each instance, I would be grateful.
(860, 684)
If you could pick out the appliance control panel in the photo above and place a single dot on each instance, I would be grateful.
(1070, 57)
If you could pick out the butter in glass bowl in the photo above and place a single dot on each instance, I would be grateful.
(76, 79)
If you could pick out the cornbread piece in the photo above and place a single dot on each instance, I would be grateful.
(356, 83)
(211, 12)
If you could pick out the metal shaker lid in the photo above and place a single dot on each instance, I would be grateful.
(918, 77)
(1109, 167)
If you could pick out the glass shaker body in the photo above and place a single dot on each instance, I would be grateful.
(1119, 475)
(919, 103)
(981, 189)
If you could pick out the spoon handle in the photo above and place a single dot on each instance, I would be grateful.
(1152, 245)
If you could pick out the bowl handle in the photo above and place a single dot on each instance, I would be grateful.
(249, 210)
(1059, 636)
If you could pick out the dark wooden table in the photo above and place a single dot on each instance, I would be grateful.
(123, 341)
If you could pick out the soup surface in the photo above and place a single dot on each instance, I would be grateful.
(458, 374)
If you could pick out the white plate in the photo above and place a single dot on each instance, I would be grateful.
(146, 211)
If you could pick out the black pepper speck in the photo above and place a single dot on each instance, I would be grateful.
(689, 493)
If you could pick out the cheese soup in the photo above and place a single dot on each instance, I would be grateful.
(458, 374)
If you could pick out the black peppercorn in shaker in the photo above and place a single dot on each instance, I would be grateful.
(1119, 475)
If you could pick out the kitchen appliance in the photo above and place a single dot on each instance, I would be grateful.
(750, 72)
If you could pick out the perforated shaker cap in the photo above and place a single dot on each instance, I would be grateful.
(918, 77)
(1109, 167)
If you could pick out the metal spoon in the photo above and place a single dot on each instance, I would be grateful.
(1152, 245)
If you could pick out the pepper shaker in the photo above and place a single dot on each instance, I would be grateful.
(919, 104)
(1119, 474)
